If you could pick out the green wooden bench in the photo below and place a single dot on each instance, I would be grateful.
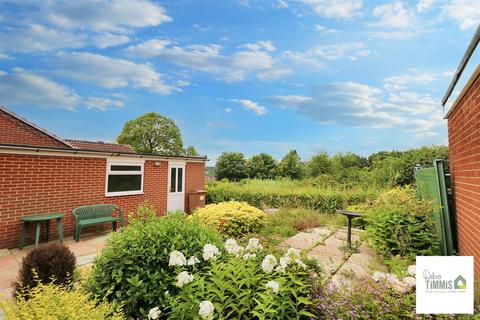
(95, 214)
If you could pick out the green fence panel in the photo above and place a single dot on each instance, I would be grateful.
(431, 185)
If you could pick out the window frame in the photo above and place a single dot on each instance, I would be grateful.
(109, 172)
(176, 165)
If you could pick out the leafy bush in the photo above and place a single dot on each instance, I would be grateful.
(232, 218)
(134, 266)
(400, 224)
(248, 287)
(51, 302)
(51, 263)
(288, 193)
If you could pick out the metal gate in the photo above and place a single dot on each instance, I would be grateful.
(433, 183)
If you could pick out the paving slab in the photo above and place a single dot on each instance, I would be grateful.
(7, 276)
(358, 270)
(322, 232)
(334, 242)
(4, 252)
(302, 241)
(329, 264)
(328, 251)
(86, 259)
(341, 235)
(362, 259)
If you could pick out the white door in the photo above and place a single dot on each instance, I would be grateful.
(176, 186)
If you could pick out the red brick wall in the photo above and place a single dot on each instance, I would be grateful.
(13, 131)
(464, 149)
(194, 179)
(31, 184)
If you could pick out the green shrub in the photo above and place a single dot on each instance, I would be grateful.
(240, 289)
(288, 193)
(51, 302)
(134, 266)
(232, 218)
(400, 224)
(50, 263)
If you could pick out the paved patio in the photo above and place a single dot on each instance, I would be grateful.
(328, 247)
(85, 251)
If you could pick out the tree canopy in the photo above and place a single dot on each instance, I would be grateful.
(291, 166)
(261, 166)
(231, 166)
(152, 133)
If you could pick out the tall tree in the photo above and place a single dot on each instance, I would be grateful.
(190, 151)
(319, 164)
(261, 166)
(231, 166)
(152, 133)
(291, 166)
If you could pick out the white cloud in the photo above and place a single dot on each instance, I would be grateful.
(425, 5)
(251, 105)
(38, 38)
(323, 29)
(228, 110)
(465, 12)
(112, 73)
(109, 40)
(394, 15)
(357, 104)
(102, 104)
(255, 61)
(104, 15)
(392, 35)
(281, 4)
(317, 55)
(21, 87)
(415, 77)
(336, 8)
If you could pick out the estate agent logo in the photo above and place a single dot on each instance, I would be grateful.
(445, 285)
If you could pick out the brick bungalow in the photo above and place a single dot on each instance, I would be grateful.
(464, 151)
(41, 173)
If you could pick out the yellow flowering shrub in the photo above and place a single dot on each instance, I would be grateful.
(232, 218)
(51, 302)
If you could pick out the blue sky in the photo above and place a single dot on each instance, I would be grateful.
(250, 76)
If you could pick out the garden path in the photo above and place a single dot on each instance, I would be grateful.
(329, 247)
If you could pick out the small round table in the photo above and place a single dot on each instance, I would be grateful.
(38, 219)
(350, 215)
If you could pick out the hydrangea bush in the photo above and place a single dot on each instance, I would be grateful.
(232, 218)
(244, 283)
(138, 265)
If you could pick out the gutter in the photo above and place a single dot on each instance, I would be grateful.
(461, 66)
(97, 152)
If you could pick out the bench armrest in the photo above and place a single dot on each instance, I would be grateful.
(120, 211)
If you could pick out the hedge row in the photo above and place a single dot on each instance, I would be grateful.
(327, 201)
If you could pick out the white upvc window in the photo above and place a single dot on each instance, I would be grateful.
(124, 178)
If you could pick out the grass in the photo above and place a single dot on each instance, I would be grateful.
(287, 222)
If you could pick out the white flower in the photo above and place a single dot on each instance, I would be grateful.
(293, 253)
(253, 245)
(154, 313)
(301, 264)
(410, 281)
(177, 259)
(377, 276)
(210, 252)
(285, 261)
(192, 261)
(183, 278)
(273, 285)
(232, 247)
(412, 270)
(206, 310)
(280, 269)
(268, 263)
(247, 256)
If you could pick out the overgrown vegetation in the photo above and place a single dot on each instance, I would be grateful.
(381, 169)
(289, 193)
(400, 224)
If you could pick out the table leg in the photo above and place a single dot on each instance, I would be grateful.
(47, 229)
(349, 238)
(60, 230)
(23, 235)
(37, 233)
